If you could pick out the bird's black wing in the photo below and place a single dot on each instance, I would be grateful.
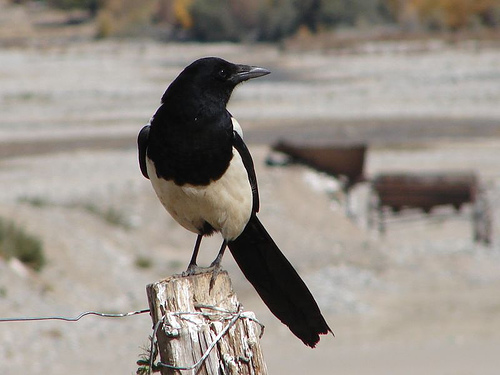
(242, 149)
(142, 144)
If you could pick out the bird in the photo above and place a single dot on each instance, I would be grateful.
(192, 151)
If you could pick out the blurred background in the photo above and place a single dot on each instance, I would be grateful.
(376, 141)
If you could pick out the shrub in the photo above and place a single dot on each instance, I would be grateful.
(212, 20)
(35, 201)
(272, 20)
(278, 19)
(124, 17)
(447, 14)
(15, 242)
(110, 215)
(353, 12)
(143, 262)
(90, 5)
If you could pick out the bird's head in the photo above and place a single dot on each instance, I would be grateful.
(213, 76)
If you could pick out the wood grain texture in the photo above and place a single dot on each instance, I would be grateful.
(189, 328)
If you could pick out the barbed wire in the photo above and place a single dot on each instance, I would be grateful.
(72, 319)
(230, 316)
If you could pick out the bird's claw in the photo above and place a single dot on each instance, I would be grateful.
(216, 269)
(192, 269)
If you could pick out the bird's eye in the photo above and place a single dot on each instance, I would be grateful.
(223, 73)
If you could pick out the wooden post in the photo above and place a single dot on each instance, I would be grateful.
(193, 316)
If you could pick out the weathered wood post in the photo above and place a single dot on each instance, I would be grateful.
(202, 328)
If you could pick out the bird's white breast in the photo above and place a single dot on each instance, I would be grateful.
(226, 204)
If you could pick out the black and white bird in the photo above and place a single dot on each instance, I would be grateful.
(193, 152)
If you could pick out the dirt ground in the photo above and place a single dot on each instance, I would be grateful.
(423, 299)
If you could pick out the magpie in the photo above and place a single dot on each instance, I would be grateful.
(193, 153)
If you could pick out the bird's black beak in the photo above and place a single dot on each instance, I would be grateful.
(246, 72)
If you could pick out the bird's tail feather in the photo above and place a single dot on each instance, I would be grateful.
(277, 282)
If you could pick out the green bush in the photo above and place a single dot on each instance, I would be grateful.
(124, 17)
(272, 20)
(110, 215)
(91, 5)
(278, 19)
(353, 12)
(143, 262)
(239, 20)
(16, 243)
(213, 20)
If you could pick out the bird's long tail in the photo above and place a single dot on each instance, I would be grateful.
(277, 282)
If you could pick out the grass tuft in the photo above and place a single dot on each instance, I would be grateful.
(35, 201)
(110, 215)
(143, 262)
(15, 242)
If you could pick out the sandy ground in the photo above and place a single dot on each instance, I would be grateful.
(421, 300)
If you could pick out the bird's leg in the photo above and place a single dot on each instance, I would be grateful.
(218, 259)
(191, 270)
(215, 265)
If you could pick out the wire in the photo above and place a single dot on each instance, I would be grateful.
(223, 314)
(75, 319)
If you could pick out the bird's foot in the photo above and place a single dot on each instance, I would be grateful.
(216, 269)
(192, 269)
